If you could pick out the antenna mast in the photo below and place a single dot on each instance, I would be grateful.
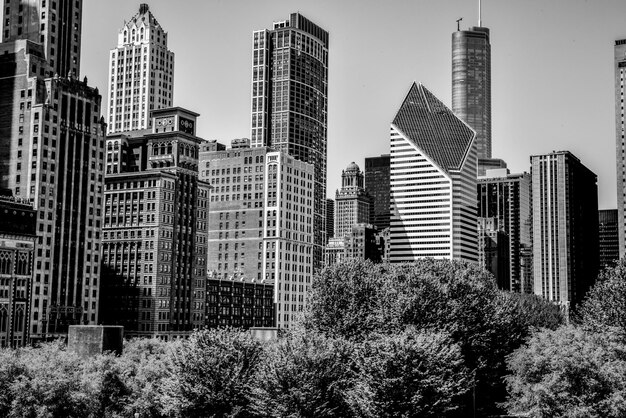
(458, 24)
(479, 12)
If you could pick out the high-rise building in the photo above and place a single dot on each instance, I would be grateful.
(18, 221)
(52, 142)
(330, 218)
(352, 203)
(433, 181)
(52, 155)
(504, 206)
(471, 83)
(608, 237)
(260, 224)
(141, 73)
(54, 24)
(565, 227)
(290, 100)
(620, 141)
(154, 247)
(377, 171)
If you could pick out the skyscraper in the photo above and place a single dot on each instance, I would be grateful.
(433, 181)
(260, 225)
(504, 206)
(52, 142)
(141, 73)
(471, 83)
(330, 218)
(352, 203)
(55, 24)
(377, 185)
(608, 237)
(565, 227)
(154, 247)
(290, 100)
(620, 141)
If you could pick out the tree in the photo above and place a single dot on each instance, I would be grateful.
(120, 386)
(306, 374)
(568, 373)
(149, 366)
(355, 299)
(346, 301)
(50, 385)
(11, 368)
(411, 374)
(212, 373)
(605, 304)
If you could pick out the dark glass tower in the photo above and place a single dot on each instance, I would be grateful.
(289, 102)
(565, 227)
(377, 171)
(608, 237)
(330, 219)
(471, 83)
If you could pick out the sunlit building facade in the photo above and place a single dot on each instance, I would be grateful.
(141, 73)
(260, 224)
(154, 250)
(620, 140)
(433, 182)
(290, 102)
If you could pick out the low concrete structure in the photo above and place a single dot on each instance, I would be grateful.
(264, 334)
(91, 340)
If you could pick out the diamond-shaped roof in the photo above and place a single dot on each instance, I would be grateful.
(433, 128)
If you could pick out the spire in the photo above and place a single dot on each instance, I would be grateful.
(479, 14)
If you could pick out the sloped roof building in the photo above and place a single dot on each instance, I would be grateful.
(433, 181)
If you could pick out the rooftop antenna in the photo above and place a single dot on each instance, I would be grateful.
(458, 24)
(479, 12)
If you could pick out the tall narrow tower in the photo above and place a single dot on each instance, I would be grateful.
(565, 227)
(289, 102)
(352, 202)
(141, 73)
(54, 24)
(471, 83)
(620, 144)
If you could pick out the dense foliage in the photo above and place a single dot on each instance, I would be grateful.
(428, 339)
(569, 373)
(577, 370)
(605, 305)
(358, 300)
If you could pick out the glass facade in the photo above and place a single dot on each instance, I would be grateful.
(565, 227)
(289, 102)
(377, 171)
(471, 84)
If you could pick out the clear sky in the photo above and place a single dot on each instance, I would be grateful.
(552, 69)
